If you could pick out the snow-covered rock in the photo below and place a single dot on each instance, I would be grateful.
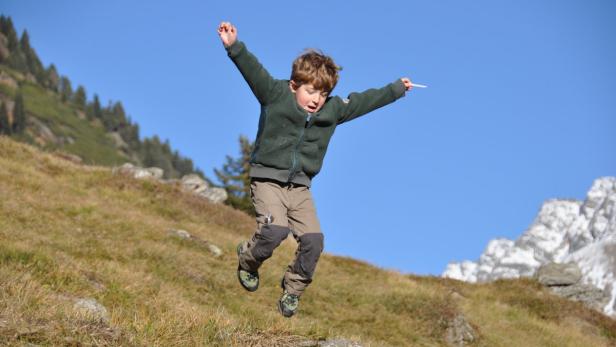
(564, 231)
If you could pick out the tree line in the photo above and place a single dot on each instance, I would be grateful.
(17, 53)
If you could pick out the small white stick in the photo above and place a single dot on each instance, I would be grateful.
(419, 85)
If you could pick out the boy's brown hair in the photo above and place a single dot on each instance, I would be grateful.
(316, 68)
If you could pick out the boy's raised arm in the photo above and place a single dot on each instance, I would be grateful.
(358, 104)
(260, 81)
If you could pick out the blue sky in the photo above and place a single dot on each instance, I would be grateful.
(520, 107)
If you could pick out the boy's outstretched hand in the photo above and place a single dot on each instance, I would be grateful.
(227, 33)
(407, 83)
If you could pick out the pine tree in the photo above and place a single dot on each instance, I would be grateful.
(7, 28)
(130, 134)
(66, 91)
(235, 178)
(19, 115)
(79, 98)
(5, 127)
(119, 116)
(153, 155)
(16, 59)
(52, 79)
(33, 63)
(94, 111)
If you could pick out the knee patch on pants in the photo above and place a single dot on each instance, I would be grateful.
(310, 248)
(268, 239)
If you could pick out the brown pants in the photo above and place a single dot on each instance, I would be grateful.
(282, 208)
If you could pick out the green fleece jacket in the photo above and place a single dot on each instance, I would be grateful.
(291, 143)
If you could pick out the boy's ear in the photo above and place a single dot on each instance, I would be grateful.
(293, 86)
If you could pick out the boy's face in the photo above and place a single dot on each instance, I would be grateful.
(308, 98)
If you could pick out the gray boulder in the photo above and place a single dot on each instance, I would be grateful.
(553, 274)
(196, 185)
(587, 294)
(564, 280)
(139, 172)
(182, 234)
(91, 309)
(459, 332)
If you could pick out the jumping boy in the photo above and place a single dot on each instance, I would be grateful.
(298, 118)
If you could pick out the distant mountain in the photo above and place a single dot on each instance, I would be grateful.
(41, 107)
(582, 232)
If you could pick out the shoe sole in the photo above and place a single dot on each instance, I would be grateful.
(280, 309)
(239, 278)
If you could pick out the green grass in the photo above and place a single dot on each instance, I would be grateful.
(69, 231)
(90, 140)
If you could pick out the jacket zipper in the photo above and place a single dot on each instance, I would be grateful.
(301, 138)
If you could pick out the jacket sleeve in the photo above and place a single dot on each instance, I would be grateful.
(260, 81)
(358, 104)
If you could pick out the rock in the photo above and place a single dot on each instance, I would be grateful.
(91, 309)
(118, 141)
(183, 234)
(215, 195)
(30, 78)
(196, 185)
(328, 343)
(587, 294)
(459, 332)
(339, 343)
(44, 135)
(138, 172)
(69, 156)
(215, 250)
(6, 79)
(553, 274)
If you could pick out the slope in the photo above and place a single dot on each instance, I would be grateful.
(70, 231)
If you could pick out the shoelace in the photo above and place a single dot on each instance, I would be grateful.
(291, 300)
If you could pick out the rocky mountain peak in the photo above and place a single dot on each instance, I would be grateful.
(564, 231)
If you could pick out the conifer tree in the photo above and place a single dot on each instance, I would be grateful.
(153, 155)
(33, 64)
(16, 59)
(235, 177)
(130, 134)
(94, 110)
(5, 127)
(119, 116)
(7, 28)
(19, 115)
(66, 91)
(79, 98)
(52, 79)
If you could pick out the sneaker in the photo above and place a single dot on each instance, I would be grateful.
(248, 280)
(288, 303)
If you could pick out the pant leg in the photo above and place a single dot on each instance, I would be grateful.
(270, 201)
(306, 230)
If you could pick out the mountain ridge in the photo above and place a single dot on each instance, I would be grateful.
(565, 230)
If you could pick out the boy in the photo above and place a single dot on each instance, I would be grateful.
(298, 118)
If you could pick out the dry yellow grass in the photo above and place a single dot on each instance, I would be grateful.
(69, 231)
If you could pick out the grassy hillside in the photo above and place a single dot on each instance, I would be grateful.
(69, 231)
(88, 139)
